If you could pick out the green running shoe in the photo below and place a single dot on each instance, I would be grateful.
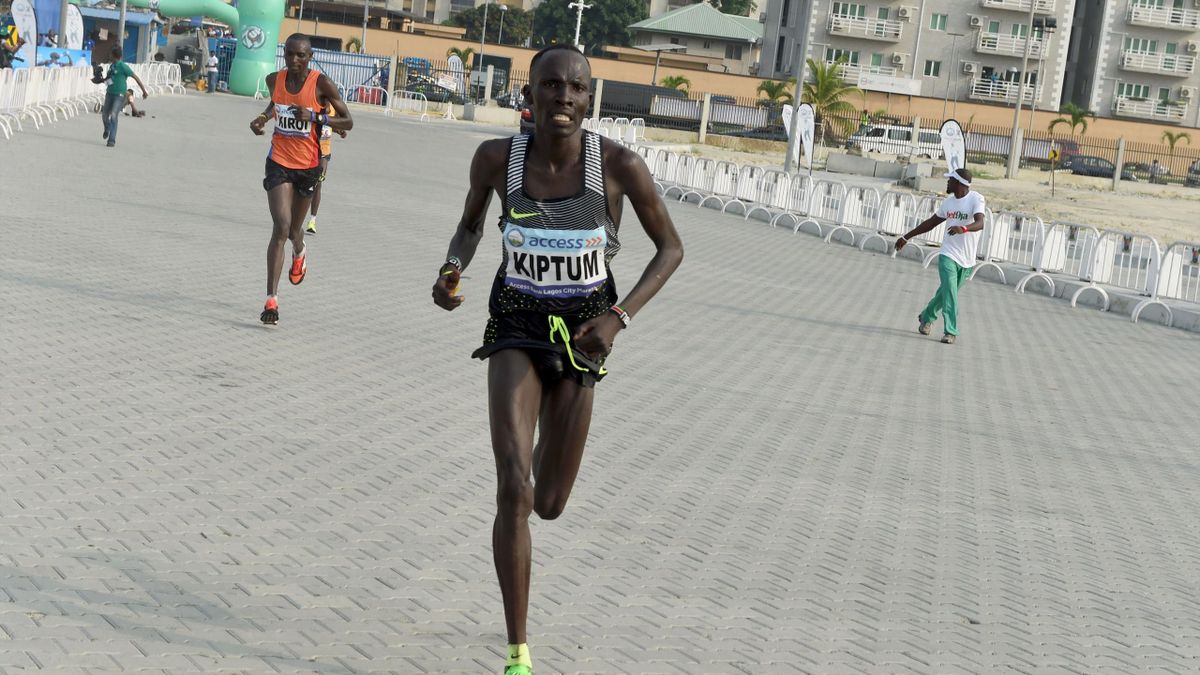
(518, 669)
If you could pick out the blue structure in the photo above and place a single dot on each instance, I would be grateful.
(143, 29)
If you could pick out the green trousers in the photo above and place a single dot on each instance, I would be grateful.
(953, 276)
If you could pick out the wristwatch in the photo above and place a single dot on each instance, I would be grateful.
(455, 262)
(621, 314)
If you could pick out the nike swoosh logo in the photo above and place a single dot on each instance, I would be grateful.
(512, 213)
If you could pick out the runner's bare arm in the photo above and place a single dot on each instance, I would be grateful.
(257, 124)
(929, 223)
(487, 168)
(635, 181)
(328, 93)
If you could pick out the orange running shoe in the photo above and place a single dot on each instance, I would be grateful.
(299, 267)
(270, 313)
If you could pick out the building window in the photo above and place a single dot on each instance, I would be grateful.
(849, 9)
(780, 50)
(783, 14)
(933, 68)
(1130, 90)
(834, 55)
(733, 52)
(674, 41)
(993, 27)
(877, 60)
(937, 21)
(1164, 94)
(1020, 30)
(1141, 45)
(707, 44)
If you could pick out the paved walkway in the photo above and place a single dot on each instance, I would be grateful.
(784, 477)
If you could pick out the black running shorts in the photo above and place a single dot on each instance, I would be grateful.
(530, 332)
(303, 180)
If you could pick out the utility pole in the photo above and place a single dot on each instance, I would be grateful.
(1014, 161)
(483, 31)
(799, 62)
(362, 49)
(579, 7)
(500, 37)
(952, 75)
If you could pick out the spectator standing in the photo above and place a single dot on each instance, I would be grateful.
(213, 63)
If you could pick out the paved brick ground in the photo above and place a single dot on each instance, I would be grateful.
(784, 477)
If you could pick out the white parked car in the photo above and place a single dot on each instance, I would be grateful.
(891, 139)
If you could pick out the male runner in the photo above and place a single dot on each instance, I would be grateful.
(326, 155)
(114, 96)
(299, 97)
(964, 210)
(553, 308)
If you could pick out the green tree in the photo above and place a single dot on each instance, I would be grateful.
(739, 7)
(1076, 118)
(518, 24)
(828, 94)
(1171, 139)
(353, 45)
(776, 92)
(603, 25)
(676, 82)
(463, 53)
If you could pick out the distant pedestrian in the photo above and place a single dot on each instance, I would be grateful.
(964, 211)
(114, 97)
(213, 64)
(1156, 172)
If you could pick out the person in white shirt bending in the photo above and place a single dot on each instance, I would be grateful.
(963, 213)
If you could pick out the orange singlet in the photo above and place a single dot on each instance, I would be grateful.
(295, 144)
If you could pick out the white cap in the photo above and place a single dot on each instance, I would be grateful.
(955, 176)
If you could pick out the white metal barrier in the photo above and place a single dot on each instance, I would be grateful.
(799, 200)
(408, 102)
(1179, 278)
(1132, 262)
(747, 188)
(725, 179)
(824, 205)
(637, 130)
(774, 194)
(700, 184)
(683, 176)
(897, 215)
(666, 168)
(860, 209)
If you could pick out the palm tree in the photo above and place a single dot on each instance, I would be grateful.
(463, 53)
(676, 82)
(776, 91)
(1076, 118)
(1171, 139)
(354, 45)
(827, 92)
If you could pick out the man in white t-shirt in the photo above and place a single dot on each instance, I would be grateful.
(963, 213)
(213, 64)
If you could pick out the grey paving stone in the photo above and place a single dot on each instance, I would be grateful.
(782, 476)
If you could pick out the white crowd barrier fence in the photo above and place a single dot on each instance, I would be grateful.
(774, 193)
(824, 206)
(1179, 278)
(860, 209)
(408, 102)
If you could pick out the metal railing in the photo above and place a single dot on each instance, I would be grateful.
(1169, 64)
(987, 90)
(1040, 7)
(852, 71)
(1008, 45)
(1143, 13)
(890, 30)
(1147, 109)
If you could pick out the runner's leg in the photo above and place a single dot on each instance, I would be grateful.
(514, 396)
(562, 432)
(279, 199)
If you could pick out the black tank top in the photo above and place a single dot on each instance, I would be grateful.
(556, 251)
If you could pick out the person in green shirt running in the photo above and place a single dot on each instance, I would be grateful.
(114, 96)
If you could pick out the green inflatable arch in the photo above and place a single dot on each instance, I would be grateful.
(254, 22)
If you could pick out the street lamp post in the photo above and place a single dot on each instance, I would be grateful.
(1014, 154)
(483, 31)
(578, 7)
(953, 72)
(503, 10)
(362, 48)
(1047, 27)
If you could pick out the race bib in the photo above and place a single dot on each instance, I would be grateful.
(554, 263)
(286, 123)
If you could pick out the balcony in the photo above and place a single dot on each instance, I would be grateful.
(1001, 92)
(1007, 45)
(1039, 7)
(851, 73)
(1180, 65)
(887, 30)
(1150, 110)
(1151, 15)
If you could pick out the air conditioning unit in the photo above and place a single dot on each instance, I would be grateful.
(976, 21)
(1193, 47)
(899, 60)
(970, 67)
(1187, 93)
(905, 12)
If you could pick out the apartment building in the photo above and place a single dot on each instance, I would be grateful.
(726, 42)
(967, 50)
(1136, 59)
